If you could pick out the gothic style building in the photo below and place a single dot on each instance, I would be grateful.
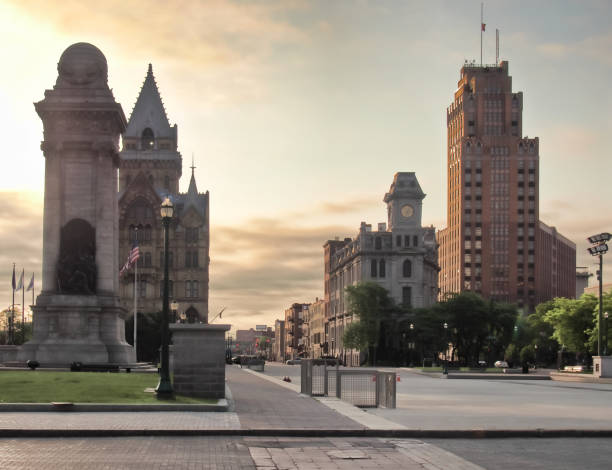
(401, 256)
(150, 167)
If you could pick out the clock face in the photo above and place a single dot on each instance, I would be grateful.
(407, 210)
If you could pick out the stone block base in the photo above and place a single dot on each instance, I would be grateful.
(602, 366)
(77, 328)
(199, 359)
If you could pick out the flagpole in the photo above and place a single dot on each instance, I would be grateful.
(22, 306)
(12, 322)
(481, 22)
(135, 298)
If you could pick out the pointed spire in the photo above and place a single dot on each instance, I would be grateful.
(193, 189)
(149, 111)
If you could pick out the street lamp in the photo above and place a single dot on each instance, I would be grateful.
(174, 306)
(605, 335)
(410, 344)
(164, 388)
(599, 248)
(445, 370)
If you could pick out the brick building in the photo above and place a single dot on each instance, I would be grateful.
(494, 243)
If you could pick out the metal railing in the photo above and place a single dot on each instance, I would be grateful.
(360, 387)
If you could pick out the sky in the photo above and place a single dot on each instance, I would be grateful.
(299, 113)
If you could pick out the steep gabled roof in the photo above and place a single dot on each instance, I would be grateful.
(149, 111)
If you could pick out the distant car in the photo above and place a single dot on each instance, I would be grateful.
(331, 360)
(501, 364)
(294, 362)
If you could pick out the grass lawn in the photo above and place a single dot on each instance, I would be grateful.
(82, 387)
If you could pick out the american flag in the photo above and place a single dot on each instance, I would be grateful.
(133, 256)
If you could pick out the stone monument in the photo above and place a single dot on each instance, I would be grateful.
(77, 316)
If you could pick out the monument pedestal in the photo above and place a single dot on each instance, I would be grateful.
(602, 366)
(199, 359)
(78, 328)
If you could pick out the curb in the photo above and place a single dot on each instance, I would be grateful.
(342, 433)
(222, 405)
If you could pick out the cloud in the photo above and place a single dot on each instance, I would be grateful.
(215, 31)
(21, 235)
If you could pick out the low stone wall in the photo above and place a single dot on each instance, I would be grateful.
(8, 353)
(198, 361)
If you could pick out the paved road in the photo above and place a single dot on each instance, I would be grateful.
(424, 402)
(532, 454)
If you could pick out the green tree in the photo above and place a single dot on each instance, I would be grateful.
(370, 304)
(149, 336)
(573, 322)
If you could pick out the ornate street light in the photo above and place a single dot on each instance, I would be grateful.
(599, 248)
(164, 388)
(445, 370)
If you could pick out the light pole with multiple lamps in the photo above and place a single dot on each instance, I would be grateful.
(164, 388)
(599, 248)
(411, 345)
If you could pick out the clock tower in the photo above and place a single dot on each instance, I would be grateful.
(404, 202)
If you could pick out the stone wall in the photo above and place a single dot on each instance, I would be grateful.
(198, 361)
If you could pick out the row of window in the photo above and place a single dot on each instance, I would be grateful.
(191, 288)
(142, 233)
(378, 268)
(191, 259)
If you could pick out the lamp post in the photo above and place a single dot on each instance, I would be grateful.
(445, 370)
(164, 388)
(410, 344)
(605, 334)
(599, 248)
(536, 354)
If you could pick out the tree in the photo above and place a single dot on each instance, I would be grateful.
(573, 322)
(370, 304)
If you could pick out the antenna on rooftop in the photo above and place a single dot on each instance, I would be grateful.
(496, 46)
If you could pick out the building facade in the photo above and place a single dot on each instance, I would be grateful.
(150, 167)
(401, 256)
(491, 244)
(279, 341)
(294, 331)
(316, 329)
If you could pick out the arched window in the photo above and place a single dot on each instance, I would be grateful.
(147, 139)
(192, 315)
(373, 266)
(407, 268)
(139, 211)
(147, 233)
(381, 268)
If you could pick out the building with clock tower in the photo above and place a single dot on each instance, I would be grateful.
(150, 168)
(401, 256)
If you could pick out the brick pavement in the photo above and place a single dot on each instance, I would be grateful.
(264, 405)
(227, 453)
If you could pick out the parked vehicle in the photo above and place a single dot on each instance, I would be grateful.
(501, 364)
(294, 362)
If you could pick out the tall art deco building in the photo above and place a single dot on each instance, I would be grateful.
(494, 243)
